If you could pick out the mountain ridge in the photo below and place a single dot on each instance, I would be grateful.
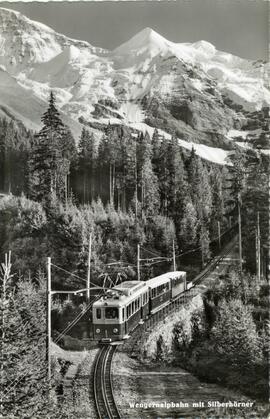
(191, 90)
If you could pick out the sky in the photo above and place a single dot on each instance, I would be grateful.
(236, 26)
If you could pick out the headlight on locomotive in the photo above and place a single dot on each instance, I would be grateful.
(97, 330)
(115, 330)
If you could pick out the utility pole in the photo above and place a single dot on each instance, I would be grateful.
(136, 183)
(138, 262)
(174, 263)
(268, 238)
(258, 246)
(219, 237)
(240, 233)
(89, 267)
(48, 352)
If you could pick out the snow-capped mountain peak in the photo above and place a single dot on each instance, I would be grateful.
(147, 80)
(145, 39)
(24, 42)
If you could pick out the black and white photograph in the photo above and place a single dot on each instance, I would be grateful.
(134, 209)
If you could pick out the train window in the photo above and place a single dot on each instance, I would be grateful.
(111, 313)
(98, 313)
(136, 305)
(123, 314)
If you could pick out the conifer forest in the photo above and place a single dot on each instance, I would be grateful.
(124, 188)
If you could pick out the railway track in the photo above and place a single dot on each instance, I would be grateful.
(178, 301)
(199, 278)
(103, 391)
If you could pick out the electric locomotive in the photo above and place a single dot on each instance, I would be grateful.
(126, 305)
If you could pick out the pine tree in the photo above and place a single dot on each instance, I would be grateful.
(50, 159)
(177, 184)
(149, 189)
(217, 200)
(22, 366)
(237, 176)
(235, 336)
(188, 226)
(204, 243)
(163, 177)
(156, 144)
(87, 163)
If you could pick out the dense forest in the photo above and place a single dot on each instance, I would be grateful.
(124, 188)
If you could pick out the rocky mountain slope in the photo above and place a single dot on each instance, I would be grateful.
(193, 90)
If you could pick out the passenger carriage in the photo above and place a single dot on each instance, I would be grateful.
(120, 310)
(126, 305)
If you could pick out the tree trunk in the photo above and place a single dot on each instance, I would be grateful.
(84, 187)
(110, 181)
(113, 183)
(66, 190)
(136, 189)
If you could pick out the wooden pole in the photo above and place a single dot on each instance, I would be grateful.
(258, 247)
(174, 262)
(136, 183)
(240, 234)
(268, 238)
(89, 267)
(48, 352)
(138, 262)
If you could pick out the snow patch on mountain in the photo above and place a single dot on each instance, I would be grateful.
(213, 154)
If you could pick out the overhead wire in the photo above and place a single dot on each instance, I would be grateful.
(78, 317)
(72, 274)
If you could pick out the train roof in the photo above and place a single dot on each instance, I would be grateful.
(129, 287)
(127, 291)
(162, 279)
(122, 294)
